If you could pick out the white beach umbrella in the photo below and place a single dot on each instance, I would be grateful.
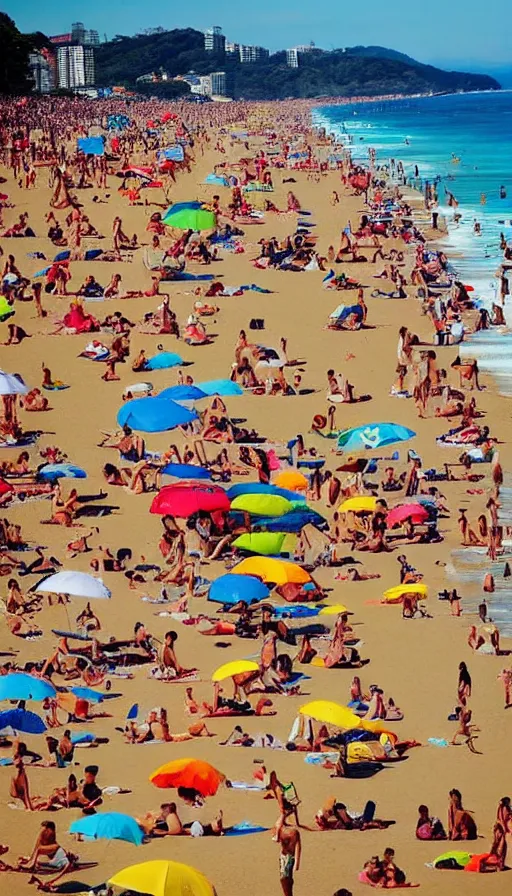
(12, 385)
(76, 584)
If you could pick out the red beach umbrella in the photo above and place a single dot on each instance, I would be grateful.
(185, 499)
(398, 515)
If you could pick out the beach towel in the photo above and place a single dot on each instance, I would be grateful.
(244, 827)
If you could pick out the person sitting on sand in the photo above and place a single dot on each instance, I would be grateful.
(429, 827)
(461, 824)
(47, 855)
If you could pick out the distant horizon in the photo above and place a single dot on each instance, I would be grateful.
(463, 44)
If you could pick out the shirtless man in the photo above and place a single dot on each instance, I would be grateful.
(289, 857)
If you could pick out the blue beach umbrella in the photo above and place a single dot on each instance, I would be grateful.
(61, 471)
(154, 414)
(231, 588)
(373, 435)
(22, 720)
(90, 255)
(108, 826)
(183, 393)
(293, 521)
(88, 694)
(221, 387)
(186, 471)
(21, 686)
(164, 361)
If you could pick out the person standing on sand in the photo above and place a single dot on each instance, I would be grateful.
(289, 857)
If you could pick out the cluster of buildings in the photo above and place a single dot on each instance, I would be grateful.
(68, 64)
(216, 42)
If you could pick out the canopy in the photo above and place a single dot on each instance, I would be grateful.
(21, 686)
(395, 595)
(236, 667)
(184, 499)
(414, 512)
(190, 219)
(265, 542)
(268, 569)
(359, 504)
(331, 713)
(154, 414)
(193, 773)
(12, 384)
(291, 479)
(221, 387)
(186, 471)
(108, 826)
(76, 584)
(22, 720)
(262, 505)
(232, 588)
(374, 435)
(162, 877)
(61, 471)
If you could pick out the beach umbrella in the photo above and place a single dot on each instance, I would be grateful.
(186, 498)
(291, 479)
(268, 569)
(414, 512)
(260, 488)
(5, 488)
(220, 387)
(89, 255)
(266, 543)
(193, 773)
(87, 694)
(186, 471)
(21, 686)
(396, 594)
(154, 414)
(330, 713)
(359, 504)
(22, 720)
(262, 505)
(182, 392)
(190, 219)
(6, 310)
(164, 361)
(334, 610)
(229, 589)
(75, 584)
(373, 435)
(108, 826)
(162, 877)
(61, 471)
(236, 667)
(12, 384)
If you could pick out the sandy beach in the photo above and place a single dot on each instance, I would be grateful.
(413, 660)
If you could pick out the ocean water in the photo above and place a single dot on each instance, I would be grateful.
(465, 141)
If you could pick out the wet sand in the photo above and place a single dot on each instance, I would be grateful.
(414, 661)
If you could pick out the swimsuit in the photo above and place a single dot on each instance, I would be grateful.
(286, 866)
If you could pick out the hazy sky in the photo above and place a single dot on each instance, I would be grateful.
(443, 31)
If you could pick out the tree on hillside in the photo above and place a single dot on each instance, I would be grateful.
(14, 69)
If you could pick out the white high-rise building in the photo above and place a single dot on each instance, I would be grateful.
(75, 67)
(232, 49)
(292, 58)
(253, 54)
(218, 83)
(214, 40)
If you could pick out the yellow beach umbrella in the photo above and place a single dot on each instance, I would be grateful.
(269, 569)
(236, 667)
(331, 714)
(292, 479)
(161, 877)
(334, 610)
(359, 504)
(395, 595)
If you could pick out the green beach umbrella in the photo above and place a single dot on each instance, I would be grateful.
(190, 219)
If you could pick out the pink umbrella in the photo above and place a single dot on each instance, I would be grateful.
(398, 515)
(183, 500)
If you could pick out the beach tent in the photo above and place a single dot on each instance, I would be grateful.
(12, 384)
(91, 146)
(75, 584)
(108, 826)
(162, 877)
(192, 773)
(186, 498)
(338, 317)
(268, 569)
(373, 435)
(164, 361)
(153, 414)
(231, 588)
(262, 505)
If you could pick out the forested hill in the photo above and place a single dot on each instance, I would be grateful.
(369, 71)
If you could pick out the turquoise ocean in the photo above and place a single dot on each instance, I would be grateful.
(464, 140)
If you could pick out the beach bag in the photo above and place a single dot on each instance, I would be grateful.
(257, 323)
